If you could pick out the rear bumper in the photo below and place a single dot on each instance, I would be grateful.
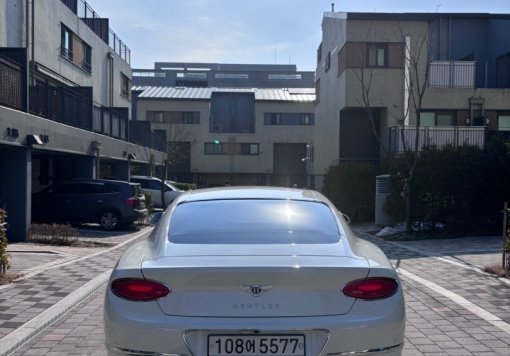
(368, 329)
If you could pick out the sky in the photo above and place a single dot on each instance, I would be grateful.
(243, 31)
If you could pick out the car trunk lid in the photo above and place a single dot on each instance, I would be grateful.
(255, 286)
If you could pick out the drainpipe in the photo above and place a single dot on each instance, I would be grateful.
(27, 47)
(110, 84)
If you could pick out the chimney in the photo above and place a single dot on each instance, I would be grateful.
(332, 7)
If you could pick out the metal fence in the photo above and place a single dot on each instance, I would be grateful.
(12, 83)
(452, 74)
(72, 106)
(438, 136)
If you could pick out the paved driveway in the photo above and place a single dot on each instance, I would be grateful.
(452, 308)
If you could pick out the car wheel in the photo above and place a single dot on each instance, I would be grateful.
(109, 220)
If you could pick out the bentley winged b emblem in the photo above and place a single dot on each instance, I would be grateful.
(256, 290)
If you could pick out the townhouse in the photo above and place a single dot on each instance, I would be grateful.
(242, 124)
(379, 61)
(65, 103)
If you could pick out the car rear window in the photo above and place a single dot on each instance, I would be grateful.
(253, 222)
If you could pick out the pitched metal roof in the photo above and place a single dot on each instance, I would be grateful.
(261, 94)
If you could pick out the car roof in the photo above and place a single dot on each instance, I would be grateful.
(144, 177)
(247, 192)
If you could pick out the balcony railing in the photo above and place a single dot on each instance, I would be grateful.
(71, 106)
(452, 74)
(438, 136)
(100, 26)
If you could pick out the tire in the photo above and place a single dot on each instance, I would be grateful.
(109, 220)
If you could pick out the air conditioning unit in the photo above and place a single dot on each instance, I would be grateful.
(217, 128)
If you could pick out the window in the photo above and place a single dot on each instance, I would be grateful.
(159, 117)
(444, 119)
(377, 55)
(249, 148)
(276, 119)
(328, 62)
(125, 86)
(86, 63)
(437, 118)
(427, 119)
(149, 74)
(284, 76)
(213, 148)
(231, 76)
(319, 54)
(187, 117)
(255, 222)
(305, 119)
(66, 43)
(504, 123)
(192, 75)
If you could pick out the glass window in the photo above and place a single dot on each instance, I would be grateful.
(249, 148)
(66, 43)
(213, 148)
(427, 119)
(444, 120)
(327, 63)
(504, 123)
(376, 54)
(253, 222)
(304, 119)
(276, 119)
(187, 117)
(126, 86)
(284, 76)
(86, 63)
(159, 117)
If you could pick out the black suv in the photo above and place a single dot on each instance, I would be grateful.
(107, 202)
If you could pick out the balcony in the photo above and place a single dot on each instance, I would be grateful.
(452, 74)
(100, 27)
(438, 136)
(72, 106)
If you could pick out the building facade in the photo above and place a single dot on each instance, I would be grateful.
(65, 102)
(457, 65)
(232, 131)
(178, 74)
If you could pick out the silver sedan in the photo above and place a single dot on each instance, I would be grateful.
(253, 271)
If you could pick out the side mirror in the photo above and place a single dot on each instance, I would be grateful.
(154, 218)
(346, 218)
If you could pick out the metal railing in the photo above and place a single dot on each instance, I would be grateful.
(72, 106)
(452, 74)
(84, 11)
(438, 136)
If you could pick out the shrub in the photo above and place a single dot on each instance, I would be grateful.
(4, 256)
(185, 186)
(349, 185)
(55, 234)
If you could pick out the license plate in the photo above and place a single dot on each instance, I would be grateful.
(278, 345)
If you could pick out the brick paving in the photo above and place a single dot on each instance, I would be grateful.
(452, 308)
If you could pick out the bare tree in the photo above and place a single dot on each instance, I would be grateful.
(414, 48)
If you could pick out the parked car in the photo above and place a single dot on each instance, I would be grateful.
(153, 185)
(253, 271)
(109, 203)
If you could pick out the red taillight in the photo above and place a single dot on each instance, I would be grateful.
(139, 289)
(133, 202)
(372, 288)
